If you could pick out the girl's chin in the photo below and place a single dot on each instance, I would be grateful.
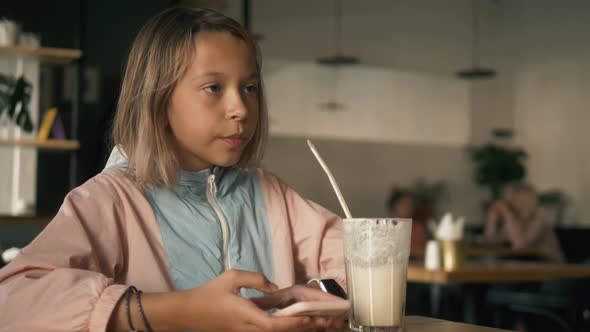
(226, 164)
(229, 162)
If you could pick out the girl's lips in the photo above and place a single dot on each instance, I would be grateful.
(234, 141)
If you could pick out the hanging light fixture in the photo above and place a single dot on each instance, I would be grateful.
(338, 58)
(475, 72)
(336, 61)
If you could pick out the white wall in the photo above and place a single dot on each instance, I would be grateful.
(424, 36)
(404, 115)
(410, 51)
(378, 104)
(366, 172)
(551, 99)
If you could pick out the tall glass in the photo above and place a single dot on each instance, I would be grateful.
(377, 253)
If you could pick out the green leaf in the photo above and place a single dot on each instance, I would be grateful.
(496, 166)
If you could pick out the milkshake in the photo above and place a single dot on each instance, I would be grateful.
(377, 253)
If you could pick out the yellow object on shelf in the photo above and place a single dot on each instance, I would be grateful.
(46, 125)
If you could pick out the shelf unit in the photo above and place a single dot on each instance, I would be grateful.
(44, 54)
(50, 144)
(15, 59)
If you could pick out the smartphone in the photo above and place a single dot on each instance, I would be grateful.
(328, 286)
(315, 308)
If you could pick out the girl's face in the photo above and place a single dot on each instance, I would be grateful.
(523, 204)
(214, 108)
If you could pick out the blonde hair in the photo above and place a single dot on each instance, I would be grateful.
(522, 197)
(161, 54)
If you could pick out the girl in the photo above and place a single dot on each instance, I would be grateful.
(180, 219)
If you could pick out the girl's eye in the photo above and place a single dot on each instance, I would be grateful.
(213, 88)
(251, 89)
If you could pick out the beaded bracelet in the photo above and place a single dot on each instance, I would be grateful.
(141, 313)
(130, 289)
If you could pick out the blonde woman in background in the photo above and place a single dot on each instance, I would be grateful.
(515, 219)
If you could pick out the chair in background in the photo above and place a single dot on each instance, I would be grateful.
(559, 305)
(554, 204)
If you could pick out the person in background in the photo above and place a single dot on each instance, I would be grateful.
(515, 219)
(401, 205)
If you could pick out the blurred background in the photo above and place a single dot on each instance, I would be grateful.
(447, 101)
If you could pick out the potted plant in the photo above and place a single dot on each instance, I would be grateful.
(497, 165)
(6, 88)
(14, 92)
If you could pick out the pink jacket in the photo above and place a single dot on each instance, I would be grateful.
(105, 236)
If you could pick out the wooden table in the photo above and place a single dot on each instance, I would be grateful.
(425, 324)
(488, 272)
(502, 252)
(491, 251)
(494, 271)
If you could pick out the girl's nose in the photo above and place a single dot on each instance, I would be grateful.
(237, 109)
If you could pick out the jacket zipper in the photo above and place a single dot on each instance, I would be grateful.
(211, 191)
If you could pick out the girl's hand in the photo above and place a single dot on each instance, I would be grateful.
(218, 306)
(287, 296)
(501, 208)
